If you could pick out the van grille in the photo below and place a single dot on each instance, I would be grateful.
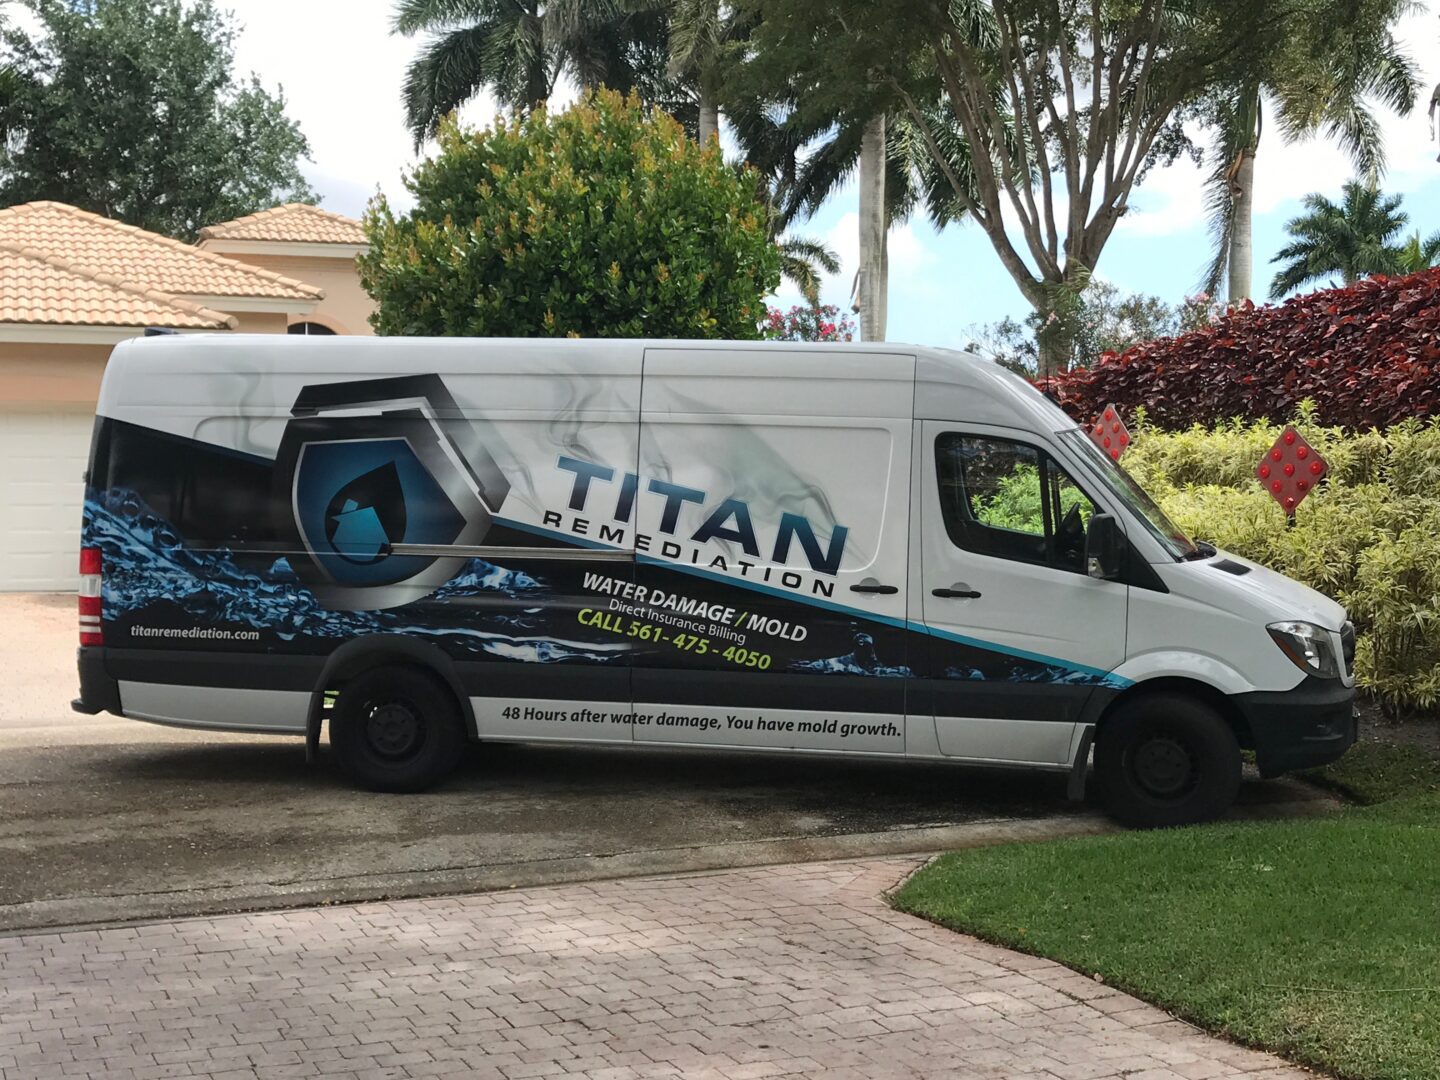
(1347, 646)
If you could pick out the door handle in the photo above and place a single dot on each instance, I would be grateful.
(874, 587)
(956, 594)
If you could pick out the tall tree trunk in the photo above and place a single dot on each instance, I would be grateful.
(874, 262)
(1242, 209)
(709, 127)
(1054, 345)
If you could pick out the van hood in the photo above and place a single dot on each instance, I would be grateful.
(1258, 592)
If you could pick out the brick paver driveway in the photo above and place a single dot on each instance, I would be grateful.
(789, 970)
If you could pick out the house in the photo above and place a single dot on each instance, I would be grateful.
(74, 283)
(304, 243)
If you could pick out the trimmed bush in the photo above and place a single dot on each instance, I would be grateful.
(601, 221)
(1369, 536)
(1368, 355)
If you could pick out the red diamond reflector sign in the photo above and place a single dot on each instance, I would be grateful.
(1290, 469)
(1109, 432)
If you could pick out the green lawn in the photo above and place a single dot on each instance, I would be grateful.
(1317, 938)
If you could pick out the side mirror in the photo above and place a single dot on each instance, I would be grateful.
(1104, 548)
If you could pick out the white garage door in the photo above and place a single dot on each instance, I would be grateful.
(42, 464)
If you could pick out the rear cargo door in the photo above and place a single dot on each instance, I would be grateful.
(771, 510)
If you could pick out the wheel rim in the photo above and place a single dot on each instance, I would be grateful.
(1163, 767)
(394, 730)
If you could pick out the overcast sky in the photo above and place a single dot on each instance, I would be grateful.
(341, 71)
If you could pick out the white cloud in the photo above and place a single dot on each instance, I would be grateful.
(341, 70)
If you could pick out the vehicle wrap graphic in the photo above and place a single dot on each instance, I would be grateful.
(365, 466)
(367, 472)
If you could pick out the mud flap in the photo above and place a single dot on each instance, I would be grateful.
(1080, 767)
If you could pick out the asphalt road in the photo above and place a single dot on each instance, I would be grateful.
(104, 819)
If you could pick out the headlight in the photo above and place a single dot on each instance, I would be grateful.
(1310, 648)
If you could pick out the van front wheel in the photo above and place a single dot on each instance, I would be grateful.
(396, 729)
(1164, 760)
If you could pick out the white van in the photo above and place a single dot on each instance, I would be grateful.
(876, 550)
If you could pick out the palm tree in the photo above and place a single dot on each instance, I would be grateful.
(1322, 85)
(1354, 239)
(1418, 254)
(698, 33)
(520, 48)
(903, 180)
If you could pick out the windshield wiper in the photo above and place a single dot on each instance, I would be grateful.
(1203, 550)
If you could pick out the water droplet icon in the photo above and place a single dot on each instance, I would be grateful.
(367, 516)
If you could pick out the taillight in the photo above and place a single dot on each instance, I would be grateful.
(90, 570)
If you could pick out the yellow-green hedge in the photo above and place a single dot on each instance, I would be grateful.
(1369, 537)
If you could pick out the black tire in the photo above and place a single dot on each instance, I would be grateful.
(396, 729)
(1164, 760)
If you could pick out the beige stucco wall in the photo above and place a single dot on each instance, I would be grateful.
(346, 308)
(44, 376)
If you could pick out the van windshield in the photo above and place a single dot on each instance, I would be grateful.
(1123, 486)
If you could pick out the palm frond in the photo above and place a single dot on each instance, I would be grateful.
(1354, 127)
(800, 247)
(1394, 78)
(801, 260)
(696, 34)
(823, 172)
(412, 17)
(447, 72)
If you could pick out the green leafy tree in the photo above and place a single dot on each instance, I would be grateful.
(602, 221)
(1063, 105)
(665, 51)
(1108, 320)
(1352, 239)
(130, 108)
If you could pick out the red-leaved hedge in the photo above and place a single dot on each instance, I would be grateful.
(1368, 354)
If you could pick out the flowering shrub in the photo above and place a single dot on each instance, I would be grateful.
(805, 323)
(1367, 354)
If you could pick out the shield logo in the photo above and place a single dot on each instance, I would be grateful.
(387, 485)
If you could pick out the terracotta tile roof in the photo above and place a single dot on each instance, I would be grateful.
(100, 245)
(294, 223)
(39, 288)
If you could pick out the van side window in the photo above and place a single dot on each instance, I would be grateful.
(212, 497)
(1011, 500)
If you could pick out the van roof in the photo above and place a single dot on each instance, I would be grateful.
(949, 384)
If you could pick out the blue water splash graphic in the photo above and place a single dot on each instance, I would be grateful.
(1036, 672)
(862, 660)
(148, 563)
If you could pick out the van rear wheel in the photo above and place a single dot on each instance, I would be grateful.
(396, 729)
(1164, 760)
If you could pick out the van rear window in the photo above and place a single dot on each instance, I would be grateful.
(213, 497)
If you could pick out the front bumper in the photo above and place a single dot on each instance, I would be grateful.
(98, 691)
(1311, 725)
